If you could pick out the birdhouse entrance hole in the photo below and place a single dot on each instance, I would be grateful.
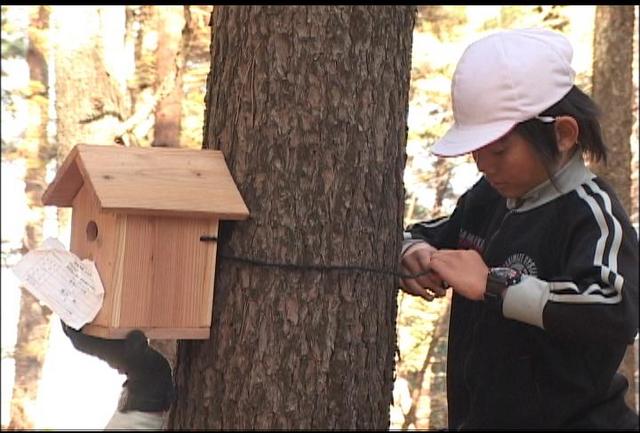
(139, 214)
(92, 231)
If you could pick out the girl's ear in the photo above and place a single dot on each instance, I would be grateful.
(567, 131)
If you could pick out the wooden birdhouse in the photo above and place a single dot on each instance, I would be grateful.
(140, 214)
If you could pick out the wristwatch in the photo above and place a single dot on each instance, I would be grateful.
(498, 279)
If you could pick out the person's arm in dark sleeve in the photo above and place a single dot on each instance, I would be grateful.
(421, 241)
(596, 298)
(149, 386)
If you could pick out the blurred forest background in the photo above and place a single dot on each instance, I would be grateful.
(157, 60)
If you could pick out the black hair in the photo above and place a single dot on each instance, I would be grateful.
(542, 135)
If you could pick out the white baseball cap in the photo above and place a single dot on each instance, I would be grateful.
(504, 79)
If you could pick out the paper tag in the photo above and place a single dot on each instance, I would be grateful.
(59, 279)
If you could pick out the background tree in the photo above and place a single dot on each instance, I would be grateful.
(430, 101)
(141, 34)
(90, 100)
(170, 22)
(33, 319)
(613, 91)
(98, 87)
(14, 46)
(197, 63)
(308, 105)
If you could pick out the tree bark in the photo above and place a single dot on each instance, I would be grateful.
(33, 321)
(170, 20)
(90, 104)
(89, 101)
(309, 107)
(443, 171)
(613, 91)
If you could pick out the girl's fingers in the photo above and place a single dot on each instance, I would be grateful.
(413, 288)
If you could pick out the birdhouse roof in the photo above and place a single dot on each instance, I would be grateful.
(162, 181)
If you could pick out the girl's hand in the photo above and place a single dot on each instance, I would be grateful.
(417, 260)
(463, 270)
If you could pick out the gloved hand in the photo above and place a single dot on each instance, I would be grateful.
(149, 384)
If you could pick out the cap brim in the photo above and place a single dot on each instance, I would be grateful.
(461, 140)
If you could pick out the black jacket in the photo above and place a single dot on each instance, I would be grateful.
(546, 358)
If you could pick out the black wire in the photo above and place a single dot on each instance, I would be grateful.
(308, 267)
(319, 268)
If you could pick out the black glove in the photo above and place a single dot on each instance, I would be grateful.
(149, 385)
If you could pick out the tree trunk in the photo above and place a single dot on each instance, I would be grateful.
(170, 20)
(612, 89)
(309, 107)
(443, 170)
(33, 322)
(89, 101)
(90, 105)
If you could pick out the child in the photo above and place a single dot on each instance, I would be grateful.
(541, 257)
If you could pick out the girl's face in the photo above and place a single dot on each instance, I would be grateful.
(510, 165)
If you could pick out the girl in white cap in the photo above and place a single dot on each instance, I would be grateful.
(540, 255)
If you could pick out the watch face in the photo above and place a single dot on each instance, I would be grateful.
(498, 280)
(508, 275)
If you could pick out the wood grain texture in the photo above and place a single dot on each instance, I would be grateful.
(160, 333)
(157, 274)
(103, 250)
(167, 273)
(150, 181)
(66, 184)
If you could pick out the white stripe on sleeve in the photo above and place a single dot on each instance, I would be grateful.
(598, 259)
(617, 235)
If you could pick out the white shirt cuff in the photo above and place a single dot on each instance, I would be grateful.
(525, 301)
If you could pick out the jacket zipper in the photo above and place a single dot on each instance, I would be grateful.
(485, 255)
(493, 236)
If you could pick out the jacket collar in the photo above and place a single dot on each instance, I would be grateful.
(568, 178)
